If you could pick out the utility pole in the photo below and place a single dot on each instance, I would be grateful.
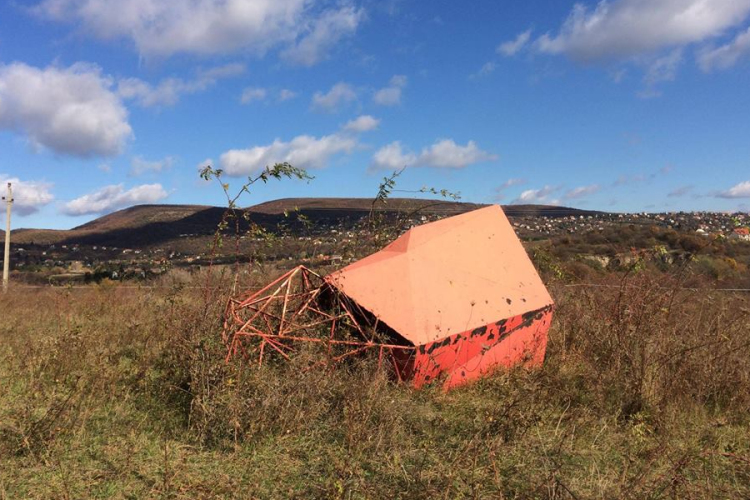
(6, 261)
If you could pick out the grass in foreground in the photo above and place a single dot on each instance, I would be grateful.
(119, 393)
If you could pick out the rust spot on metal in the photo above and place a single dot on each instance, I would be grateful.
(479, 331)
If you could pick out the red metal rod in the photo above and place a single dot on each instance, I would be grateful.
(316, 311)
(262, 290)
(350, 353)
(309, 325)
(312, 297)
(262, 348)
(286, 300)
(272, 344)
(295, 327)
(395, 366)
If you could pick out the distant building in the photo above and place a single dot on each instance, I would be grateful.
(740, 233)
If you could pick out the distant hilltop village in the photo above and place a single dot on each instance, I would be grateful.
(715, 224)
(327, 241)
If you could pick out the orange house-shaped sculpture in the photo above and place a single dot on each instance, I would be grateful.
(462, 291)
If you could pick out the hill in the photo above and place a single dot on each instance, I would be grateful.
(351, 206)
(343, 207)
(142, 215)
(152, 225)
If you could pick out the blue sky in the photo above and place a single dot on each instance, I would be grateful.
(623, 105)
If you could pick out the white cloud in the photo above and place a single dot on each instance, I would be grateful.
(388, 96)
(447, 154)
(286, 94)
(221, 72)
(256, 94)
(339, 96)
(363, 123)
(391, 95)
(625, 180)
(680, 191)
(323, 34)
(662, 69)
(114, 197)
(139, 165)
(71, 111)
(303, 151)
(514, 46)
(251, 94)
(486, 69)
(582, 192)
(741, 190)
(621, 29)
(512, 182)
(169, 90)
(166, 93)
(618, 75)
(500, 190)
(667, 169)
(210, 27)
(393, 157)
(535, 196)
(725, 56)
(28, 196)
(444, 153)
(399, 80)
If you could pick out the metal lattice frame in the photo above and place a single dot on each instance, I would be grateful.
(301, 307)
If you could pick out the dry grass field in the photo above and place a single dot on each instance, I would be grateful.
(117, 392)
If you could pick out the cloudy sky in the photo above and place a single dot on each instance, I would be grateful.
(622, 105)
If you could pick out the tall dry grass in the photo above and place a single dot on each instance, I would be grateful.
(111, 392)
